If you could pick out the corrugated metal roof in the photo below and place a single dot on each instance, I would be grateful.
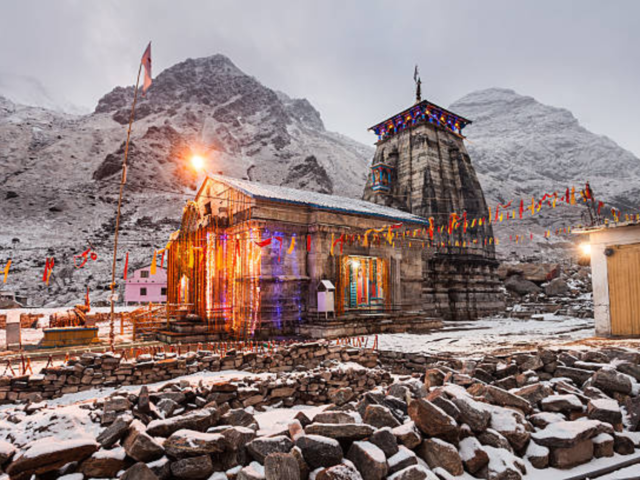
(317, 200)
(606, 226)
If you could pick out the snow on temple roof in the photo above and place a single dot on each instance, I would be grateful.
(316, 200)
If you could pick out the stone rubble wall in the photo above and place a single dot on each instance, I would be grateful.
(106, 370)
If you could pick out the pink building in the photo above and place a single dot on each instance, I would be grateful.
(142, 287)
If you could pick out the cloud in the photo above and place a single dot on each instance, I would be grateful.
(352, 60)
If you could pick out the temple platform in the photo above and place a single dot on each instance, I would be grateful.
(367, 323)
(187, 331)
(69, 337)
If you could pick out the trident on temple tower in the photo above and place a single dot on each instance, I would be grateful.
(416, 78)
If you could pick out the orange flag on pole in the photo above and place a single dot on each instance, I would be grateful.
(146, 63)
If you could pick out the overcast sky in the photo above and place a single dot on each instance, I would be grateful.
(352, 59)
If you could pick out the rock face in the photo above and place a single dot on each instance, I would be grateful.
(534, 142)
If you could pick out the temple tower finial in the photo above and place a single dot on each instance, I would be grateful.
(416, 78)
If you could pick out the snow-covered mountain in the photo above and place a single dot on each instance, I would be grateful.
(521, 147)
(60, 173)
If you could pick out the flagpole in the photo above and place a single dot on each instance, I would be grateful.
(115, 243)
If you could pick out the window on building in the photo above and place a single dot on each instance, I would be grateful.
(143, 292)
(144, 274)
(163, 291)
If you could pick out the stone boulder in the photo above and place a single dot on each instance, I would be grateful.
(622, 444)
(610, 381)
(115, 432)
(473, 455)
(556, 288)
(139, 471)
(603, 445)
(408, 435)
(49, 454)
(198, 420)
(605, 410)
(534, 393)
(521, 286)
(349, 432)
(438, 453)
(192, 468)
(189, 443)
(342, 471)
(473, 413)
(566, 434)
(578, 375)
(238, 437)
(379, 417)
(537, 455)
(499, 396)
(260, 447)
(386, 441)
(568, 457)
(334, 417)
(561, 403)
(494, 439)
(534, 272)
(6, 452)
(238, 417)
(503, 465)
(140, 446)
(369, 460)
(281, 466)
(319, 451)
(402, 459)
(104, 463)
(253, 471)
(414, 472)
(432, 420)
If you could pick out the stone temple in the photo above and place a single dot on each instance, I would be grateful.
(421, 166)
(253, 260)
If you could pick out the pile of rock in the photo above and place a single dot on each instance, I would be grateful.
(535, 288)
(183, 430)
(495, 418)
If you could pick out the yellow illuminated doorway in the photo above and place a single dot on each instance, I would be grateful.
(623, 268)
(366, 286)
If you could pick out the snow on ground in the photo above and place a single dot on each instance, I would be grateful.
(489, 334)
(626, 473)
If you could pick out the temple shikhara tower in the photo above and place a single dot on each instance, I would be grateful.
(421, 166)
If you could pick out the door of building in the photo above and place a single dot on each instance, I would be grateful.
(623, 267)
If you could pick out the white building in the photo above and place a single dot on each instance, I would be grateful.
(615, 273)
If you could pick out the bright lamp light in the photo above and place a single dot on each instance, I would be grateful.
(585, 248)
(197, 162)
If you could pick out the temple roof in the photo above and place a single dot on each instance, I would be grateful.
(421, 111)
(316, 200)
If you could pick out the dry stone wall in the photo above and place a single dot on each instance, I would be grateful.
(106, 370)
